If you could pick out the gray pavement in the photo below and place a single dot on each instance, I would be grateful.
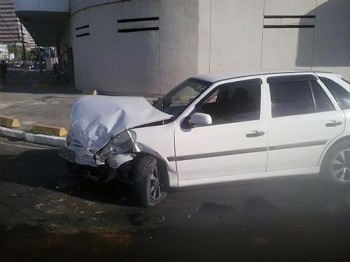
(37, 99)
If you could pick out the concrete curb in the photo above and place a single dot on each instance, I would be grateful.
(9, 122)
(33, 138)
(49, 130)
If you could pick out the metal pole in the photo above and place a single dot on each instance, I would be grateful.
(24, 55)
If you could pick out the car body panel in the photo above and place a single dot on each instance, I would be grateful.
(298, 141)
(290, 145)
(159, 141)
(96, 119)
(222, 149)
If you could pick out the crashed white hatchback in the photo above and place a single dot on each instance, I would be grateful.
(215, 129)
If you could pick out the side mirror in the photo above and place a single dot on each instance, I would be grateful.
(200, 119)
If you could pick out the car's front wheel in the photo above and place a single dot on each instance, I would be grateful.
(336, 167)
(148, 187)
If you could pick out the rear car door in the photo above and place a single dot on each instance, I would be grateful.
(305, 118)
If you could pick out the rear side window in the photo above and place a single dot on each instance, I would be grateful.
(291, 98)
(322, 101)
(340, 93)
(298, 97)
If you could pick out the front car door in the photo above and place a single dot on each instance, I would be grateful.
(234, 145)
(305, 119)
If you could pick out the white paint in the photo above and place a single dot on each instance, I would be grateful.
(96, 119)
(181, 147)
(23, 146)
(33, 138)
(199, 36)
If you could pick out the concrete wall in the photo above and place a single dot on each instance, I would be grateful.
(236, 35)
(114, 59)
(189, 37)
(77, 5)
(332, 37)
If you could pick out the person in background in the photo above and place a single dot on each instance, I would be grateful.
(3, 71)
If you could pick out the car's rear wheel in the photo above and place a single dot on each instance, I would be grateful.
(148, 187)
(336, 167)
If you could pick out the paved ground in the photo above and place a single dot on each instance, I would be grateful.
(37, 99)
(47, 215)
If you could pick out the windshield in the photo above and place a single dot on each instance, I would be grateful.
(175, 102)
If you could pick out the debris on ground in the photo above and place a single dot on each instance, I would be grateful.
(137, 219)
(38, 206)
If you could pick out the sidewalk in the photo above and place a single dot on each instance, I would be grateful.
(36, 99)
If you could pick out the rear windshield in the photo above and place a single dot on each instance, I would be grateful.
(340, 93)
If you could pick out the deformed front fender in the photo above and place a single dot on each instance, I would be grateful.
(167, 169)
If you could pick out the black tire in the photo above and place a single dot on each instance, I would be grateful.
(336, 165)
(147, 184)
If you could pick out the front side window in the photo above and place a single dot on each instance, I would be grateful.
(175, 102)
(234, 102)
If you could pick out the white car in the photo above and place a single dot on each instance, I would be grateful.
(215, 129)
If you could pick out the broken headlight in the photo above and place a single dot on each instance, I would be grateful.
(119, 144)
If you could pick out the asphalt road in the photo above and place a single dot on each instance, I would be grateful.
(48, 215)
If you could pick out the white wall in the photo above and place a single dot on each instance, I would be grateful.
(179, 37)
(332, 37)
(203, 36)
(282, 46)
(236, 35)
(77, 5)
(139, 56)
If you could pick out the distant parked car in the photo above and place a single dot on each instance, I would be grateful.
(215, 129)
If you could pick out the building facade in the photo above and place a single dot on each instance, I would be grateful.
(4, 54)
(141, 47)
(11, 29)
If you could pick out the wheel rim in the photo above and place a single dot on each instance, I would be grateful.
(155, 190)
(341, 166)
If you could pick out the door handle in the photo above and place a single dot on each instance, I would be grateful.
(255, 133)
(333, 123)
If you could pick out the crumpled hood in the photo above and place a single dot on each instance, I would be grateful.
(96, 119)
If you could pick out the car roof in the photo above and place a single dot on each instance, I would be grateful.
(216, 78)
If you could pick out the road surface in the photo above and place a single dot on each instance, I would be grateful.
(48, 215)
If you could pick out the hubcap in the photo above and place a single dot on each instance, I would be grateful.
(155, 191)
(341, 166)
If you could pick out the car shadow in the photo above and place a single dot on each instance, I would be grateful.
(43, 168)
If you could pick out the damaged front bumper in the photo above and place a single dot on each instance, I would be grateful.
(120, 150)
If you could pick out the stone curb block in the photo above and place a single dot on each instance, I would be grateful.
(9, 122)
(33, 138)
(49, 130)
